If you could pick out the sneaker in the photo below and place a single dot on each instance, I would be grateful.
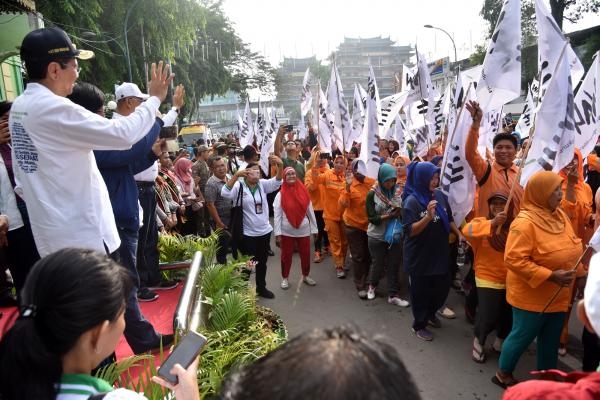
(266, 293)
(146, 295)
(446, 312)
(434, 322)
(371, 292)
(164, 285)
(318, 257)
(285, 284)
(339, 272)
(397, 301)
(362, 294)
(423, 334)
(309, 281)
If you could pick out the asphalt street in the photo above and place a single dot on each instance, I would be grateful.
(442, 368)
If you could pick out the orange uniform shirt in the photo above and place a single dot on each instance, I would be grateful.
(315, 190)
(500, 178)
(531, 255)
(354, 204)
(332, 186)
(489, 263)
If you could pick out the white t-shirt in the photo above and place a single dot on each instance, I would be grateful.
(255, 205)
(53, 139)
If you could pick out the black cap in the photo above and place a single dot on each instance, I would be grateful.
(49, 44)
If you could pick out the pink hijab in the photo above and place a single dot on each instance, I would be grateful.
(183, 172)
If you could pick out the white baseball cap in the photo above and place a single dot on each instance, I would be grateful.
(128, 89)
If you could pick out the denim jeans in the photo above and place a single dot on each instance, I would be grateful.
(147, 248)
(139, 333)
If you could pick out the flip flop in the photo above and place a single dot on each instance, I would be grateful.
(504, 384)
(478, 356)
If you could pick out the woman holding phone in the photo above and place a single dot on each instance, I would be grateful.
(427, 220)
(63, 333)
(257, 228)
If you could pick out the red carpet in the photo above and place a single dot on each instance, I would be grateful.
(160, 314)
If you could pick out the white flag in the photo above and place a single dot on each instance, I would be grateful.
(410, 83)
(337, 111)
(490, 126)
(259, 127)
(302, 130)
(306, 96)
(358, 113)
(267, 141)
(448, 95)
(434, 116)
(526, 118)
(247, 131)
(399, 135)
(587, 107)
(369, 150)
(324, 127)
(457, 180)
(553, 144)
(501, 74)
(240, 122)
(390, 107)
(424, 76)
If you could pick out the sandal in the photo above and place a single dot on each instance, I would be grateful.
(504, 380)
(478, 356)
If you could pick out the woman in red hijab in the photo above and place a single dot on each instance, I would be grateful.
(294, 222)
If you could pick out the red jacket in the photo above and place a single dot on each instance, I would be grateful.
(577, 386)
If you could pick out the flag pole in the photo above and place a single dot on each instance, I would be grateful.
(531, 136)
(587, 247)
(449, 142)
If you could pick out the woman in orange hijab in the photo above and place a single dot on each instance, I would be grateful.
(577, 204)
(541, 251)
(401, 163)
(293, 222)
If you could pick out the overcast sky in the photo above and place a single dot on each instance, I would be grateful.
(301, 28)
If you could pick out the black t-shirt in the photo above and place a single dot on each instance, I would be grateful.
(429, 252)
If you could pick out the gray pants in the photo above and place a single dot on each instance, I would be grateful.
(383, 255)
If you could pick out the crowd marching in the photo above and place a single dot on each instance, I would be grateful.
(70, 177)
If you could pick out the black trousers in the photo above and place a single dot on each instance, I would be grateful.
(428, 294)
(21, 254)
(494, 313)
(322, 238)
(147, 249)
(257, 247)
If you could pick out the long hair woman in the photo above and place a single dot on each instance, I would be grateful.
(71, 318)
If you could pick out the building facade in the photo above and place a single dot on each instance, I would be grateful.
(354, 56)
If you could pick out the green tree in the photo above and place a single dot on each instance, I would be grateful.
(194, 36)
(577, 9)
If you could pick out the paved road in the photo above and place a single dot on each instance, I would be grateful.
(442, 369)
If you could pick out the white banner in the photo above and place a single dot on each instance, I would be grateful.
(500, 80)
(526, 118)
(337, 111)
(247, 131)
(358, 113)
(369, 150)
(587, 106)
(457, 180)
(390, 107)
(306, 96)
(267, 141)
(553, 143)
(410, 83)
(259, 126)
(325, 129)
(490, 126)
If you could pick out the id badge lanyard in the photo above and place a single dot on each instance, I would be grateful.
(258, 208)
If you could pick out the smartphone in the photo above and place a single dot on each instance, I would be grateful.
(289, 128)
(184, 354)
(168, 132)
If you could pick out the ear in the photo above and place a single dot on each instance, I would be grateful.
(96, 334)
(52, 70)
(582, 315)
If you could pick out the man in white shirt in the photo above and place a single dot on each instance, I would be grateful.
(53, 139)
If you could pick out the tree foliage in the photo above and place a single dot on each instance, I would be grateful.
(194, 36)
(576, 8)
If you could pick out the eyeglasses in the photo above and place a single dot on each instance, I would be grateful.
(65, 65)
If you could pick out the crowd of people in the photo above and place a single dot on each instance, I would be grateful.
(69, 177)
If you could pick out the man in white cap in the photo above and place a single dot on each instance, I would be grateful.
(53, 139)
